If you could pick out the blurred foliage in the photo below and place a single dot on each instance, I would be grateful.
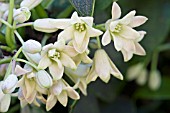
(117, 96)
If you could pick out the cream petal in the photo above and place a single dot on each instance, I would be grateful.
(126, 55)
(5, 103)
(92, 32)
(139, 49)
(20, 71)
(32, 97)
(128, 45)
(114, 70)
(116, 11)
(44, 62)
(129, 33)
(60, 44)
(142, 34)
(67, 61)
(75, 18)
(72, 93)
(41, 90)
(57, 88)
(83, 87)
(46, 48)
(113, 24)
(30, 87)
(56, 71)
(62, 98)
(118, 42)
(137, 21)
(69, 50)
(92, 76)
(106, 39)
(79, 37)
(67, 34)
(83, 47)
(128, 18)
(88, 20)
(61, 23)
(1, 92)
(51, 101)
(102, 65)
(86, 59)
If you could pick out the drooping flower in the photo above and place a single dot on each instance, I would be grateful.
(102, 67)
(54, 57)
(60, 91)
(122, 33)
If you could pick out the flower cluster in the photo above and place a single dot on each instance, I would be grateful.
(58, 69)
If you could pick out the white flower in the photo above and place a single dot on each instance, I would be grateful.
(54, 57)
(30, 3)
(122, 33)
(102, 67)
(154, 80)
(31, 46)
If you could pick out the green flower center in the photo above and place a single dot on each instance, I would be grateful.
(80, 27)
(118, 28)
(53, 53)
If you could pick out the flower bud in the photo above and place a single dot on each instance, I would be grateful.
(9, 84)
(35, 58)
(43, 79)
(142, 77)
(30, 3)
(31, 46)
(4, 7)
(22, 14)
(154, 80)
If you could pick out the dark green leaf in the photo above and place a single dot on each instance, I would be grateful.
(83, 7)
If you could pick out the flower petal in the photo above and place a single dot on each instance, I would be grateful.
(129, 33)
(72, 93)
(56, 71)
(30, 86)
(46, 48)
(118, 42)
(102, 65)
(137, 21)
(20, 71)
(92, 76)
(67, 34)
(67, 61)
(60, 44)
(86, 59)
(88, 20)
(128, 18)
(60, 23)
(5, 103)
(51, 101)
(79, 37)
(126, 55)
(44, 62)
(75, 18)
(139, 49)
(106, 39)
(142, 34)
(62, 98)
(92, 32)
(116, 11)
(69, 50)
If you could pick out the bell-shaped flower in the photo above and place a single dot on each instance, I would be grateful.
(54, 57)
(122, 33)
(80, 30)
(29, 89)
(30, 3)
(137, 72)
(102, 67)
(78, 76)
(154, 80)
(60, 91)
(22, 14)
(3, 7)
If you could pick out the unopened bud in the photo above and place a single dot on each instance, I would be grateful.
(22, 14)
(30, 3)
(43, 79)
(31, 46)
(9, 84)
(154, 80)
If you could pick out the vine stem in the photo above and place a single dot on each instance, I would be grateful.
(5, 60)
(6, 23)
(19, 37)
(98, 42)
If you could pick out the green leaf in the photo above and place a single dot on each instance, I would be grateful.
(103, 4)
(162, 94)
(83, 7)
